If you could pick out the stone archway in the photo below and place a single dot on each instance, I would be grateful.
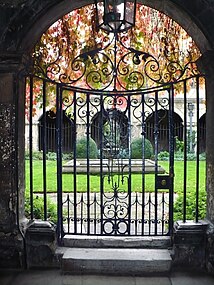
(171, 9)
(165, 6)
(25, 46)
(152, 103)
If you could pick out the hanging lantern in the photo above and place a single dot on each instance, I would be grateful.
(115, 16)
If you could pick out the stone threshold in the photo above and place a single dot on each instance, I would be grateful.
(116, 241)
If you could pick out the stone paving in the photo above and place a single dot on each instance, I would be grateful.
(54, 277)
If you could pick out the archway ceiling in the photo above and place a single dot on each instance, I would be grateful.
(18, 19)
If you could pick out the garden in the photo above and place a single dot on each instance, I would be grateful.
(138, 181)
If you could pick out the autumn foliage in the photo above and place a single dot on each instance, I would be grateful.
(73, 52)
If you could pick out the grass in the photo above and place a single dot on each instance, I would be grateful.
(94, 180)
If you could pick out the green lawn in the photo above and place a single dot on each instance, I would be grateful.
(94, 180)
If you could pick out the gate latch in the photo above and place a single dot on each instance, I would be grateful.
(163, 181)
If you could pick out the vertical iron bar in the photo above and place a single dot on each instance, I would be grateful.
(95, 213)
(156, 159)
(143, 160)
(49, 137)
(185, 152)
(115, 61)
(68, 211)
(52, 142)
(130, 161)
(81, 213)
(68, 131)
(197, 150)
(59, 159)
(31, 146)
(75, 160)
(100, 124)
(149, 221)
(136, 213)
(88, 161)
(171, 156)
(114, 186)
(44, 147)
(163, 212)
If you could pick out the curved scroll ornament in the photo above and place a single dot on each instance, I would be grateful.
(114, 66)
(100, 72)
(115, 213)
(140, 70)
(135, 68)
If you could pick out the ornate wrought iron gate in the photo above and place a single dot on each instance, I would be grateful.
(133, 193)
(114, 183)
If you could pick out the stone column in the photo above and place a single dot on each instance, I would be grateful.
(11, 162)
(193, 243)
(206, 66)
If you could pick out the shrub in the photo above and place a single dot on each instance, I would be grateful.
(38, 209)
(67, 156)
(81, 148)
(123, 153)
(136, 148)
(179, 145)
(202, 156)
(179, 156)
(163, 155)
(51, 156)
(190, 206)
(37, 155)
(191, 156)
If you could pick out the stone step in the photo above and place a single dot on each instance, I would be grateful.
(162, 242)
(122, 261)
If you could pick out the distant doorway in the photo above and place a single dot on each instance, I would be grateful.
(161, 117)
(47, 132)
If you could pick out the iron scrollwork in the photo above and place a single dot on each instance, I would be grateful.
(114, 66)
